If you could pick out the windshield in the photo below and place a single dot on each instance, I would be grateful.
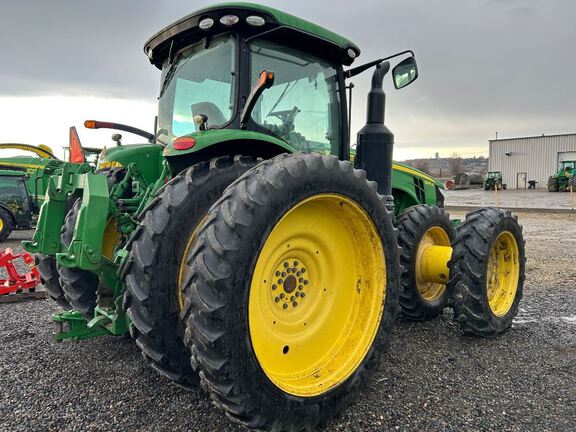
(303, 105)
(199, 81)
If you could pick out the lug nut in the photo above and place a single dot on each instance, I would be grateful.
(298, 274)
(282, 295)
(300, 279)
(297, 294)
(280, 281)
(288, 270)
(300, 287)
(305, 282)
(285, 305)
(292, 298)
(296, 263)
(302, 294)
(286, 264)
(273, 287)
(283, 274)
(277, 273)
(303, 270)
(294, 303)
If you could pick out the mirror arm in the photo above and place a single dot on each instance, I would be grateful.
(359, 69)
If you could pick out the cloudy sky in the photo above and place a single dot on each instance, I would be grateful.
(485, 66)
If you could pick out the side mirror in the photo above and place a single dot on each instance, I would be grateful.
(405, 72)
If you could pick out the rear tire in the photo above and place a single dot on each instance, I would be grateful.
(553, 184)
(487, 271)
(6, 225)
(228, 275)
(156, 268)
(421, 301)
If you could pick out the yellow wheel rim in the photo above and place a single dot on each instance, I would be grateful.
(503, 273)
(1, 224)
(435, 236)
(111, 239)
(317, 295)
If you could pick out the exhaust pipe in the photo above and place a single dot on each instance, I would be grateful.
(375, 142)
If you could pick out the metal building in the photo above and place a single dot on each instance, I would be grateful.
(530, 158)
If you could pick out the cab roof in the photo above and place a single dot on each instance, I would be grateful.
(291, 28)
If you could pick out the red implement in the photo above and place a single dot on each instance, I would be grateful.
(17, 282)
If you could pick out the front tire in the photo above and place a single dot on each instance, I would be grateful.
(46, 265)
(487, 271)
(421, 226)
(297, 224)
(6, 224)
(157, 266)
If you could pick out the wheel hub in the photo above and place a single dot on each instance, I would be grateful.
(289, 283)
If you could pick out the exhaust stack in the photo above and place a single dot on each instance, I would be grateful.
(375, 142)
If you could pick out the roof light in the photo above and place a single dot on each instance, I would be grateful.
(184, 143)
(229, 20)
(206, 23)
(255, 20)
(351, 53)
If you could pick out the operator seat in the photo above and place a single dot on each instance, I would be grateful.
(210, 110)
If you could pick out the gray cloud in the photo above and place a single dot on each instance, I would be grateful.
(490, 63)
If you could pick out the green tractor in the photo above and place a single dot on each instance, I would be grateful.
(493, 180)
(564, 178)
(23, 182)
(16, 204)
(242, 248)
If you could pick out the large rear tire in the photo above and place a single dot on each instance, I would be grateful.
(292, 292)
(487, 271)
(553, 184)
(157, 264)
(419, 227)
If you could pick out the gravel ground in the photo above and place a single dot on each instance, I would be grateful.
(432, 378)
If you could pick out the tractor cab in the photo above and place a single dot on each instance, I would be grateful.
(567, 167)
(249, 75)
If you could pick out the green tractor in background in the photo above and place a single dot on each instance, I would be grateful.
(240, 246)
(564, 178)
(16, 204)
(23, 183)
(493, 180)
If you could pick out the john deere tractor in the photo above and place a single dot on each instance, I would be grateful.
(493, 180)
(564, 178)
(242, 248)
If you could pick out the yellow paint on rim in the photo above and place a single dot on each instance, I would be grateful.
(184, 267)
(503, 273)
(317, 295)
(111, 239)
(1, 224)
(429, 288)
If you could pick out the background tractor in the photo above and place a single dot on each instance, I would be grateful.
(243, 248)
(492, 180)
(564, 178)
